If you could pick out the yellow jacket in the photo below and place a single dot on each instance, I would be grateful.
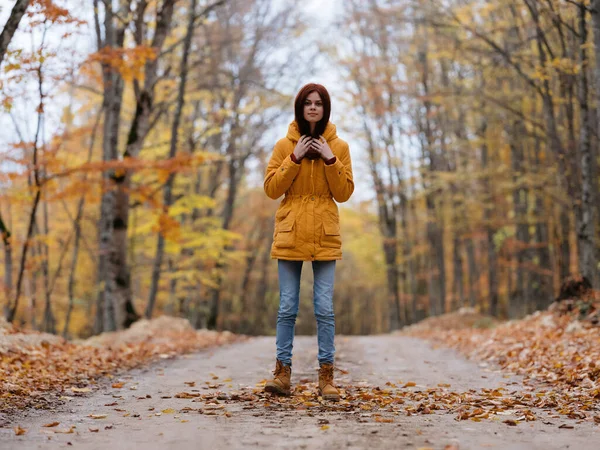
(307, 222)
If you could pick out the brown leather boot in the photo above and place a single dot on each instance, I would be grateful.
(280, 384)
(326, 388)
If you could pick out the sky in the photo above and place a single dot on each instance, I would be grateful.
(321, 14)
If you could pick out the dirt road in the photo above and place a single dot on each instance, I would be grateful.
(144, 413)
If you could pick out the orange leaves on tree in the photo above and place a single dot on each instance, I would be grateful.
(50, 11)
(182, 162)
(129, 62)
(168, 227)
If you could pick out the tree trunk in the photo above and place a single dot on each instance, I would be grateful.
(12, 310)
(8, 263)
(49, 323)
(519, 301)
(77, 228)
(168, 189)
(566, 171)
(541, 284)
(408, 271)
(390, 249)
(138, 131)
(491, 249)
(473, 273)
(586, 226)
(458, 274)
(110, 310)
(11, 26)
(215, 293)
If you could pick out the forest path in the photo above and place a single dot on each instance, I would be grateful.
(144, 413)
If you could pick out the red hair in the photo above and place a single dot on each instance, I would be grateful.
(303, 124)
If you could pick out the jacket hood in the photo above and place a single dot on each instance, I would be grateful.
(293, 133)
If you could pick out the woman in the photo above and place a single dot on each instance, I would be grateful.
(312, 167)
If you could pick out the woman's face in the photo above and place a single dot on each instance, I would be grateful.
(313, 107)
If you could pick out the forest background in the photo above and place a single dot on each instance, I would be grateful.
(136, 134)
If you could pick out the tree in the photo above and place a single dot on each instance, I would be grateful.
(11, 26)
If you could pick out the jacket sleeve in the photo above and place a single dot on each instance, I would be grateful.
(280, 172)
(339, 176)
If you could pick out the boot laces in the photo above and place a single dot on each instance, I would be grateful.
(327, 374)
(280, 369)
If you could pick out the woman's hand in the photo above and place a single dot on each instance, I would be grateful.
(320, 145)
(302, 147)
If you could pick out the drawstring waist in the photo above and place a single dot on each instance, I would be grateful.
(308, 195)
(306, 198)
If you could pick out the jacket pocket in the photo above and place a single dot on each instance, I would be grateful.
(331, 233)
(286, 232)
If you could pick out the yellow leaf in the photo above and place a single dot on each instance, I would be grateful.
(325, 427)
(168, 411)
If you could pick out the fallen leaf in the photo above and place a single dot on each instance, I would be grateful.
(51, 424)
(80, 390)
(187, 395)
(98, 416)
(117, 385)
(93, 430)
(564, 425)
(19, 431)
(325, 427)
(168, 411)
(384, 419)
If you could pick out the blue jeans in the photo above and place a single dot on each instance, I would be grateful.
(289, 299)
